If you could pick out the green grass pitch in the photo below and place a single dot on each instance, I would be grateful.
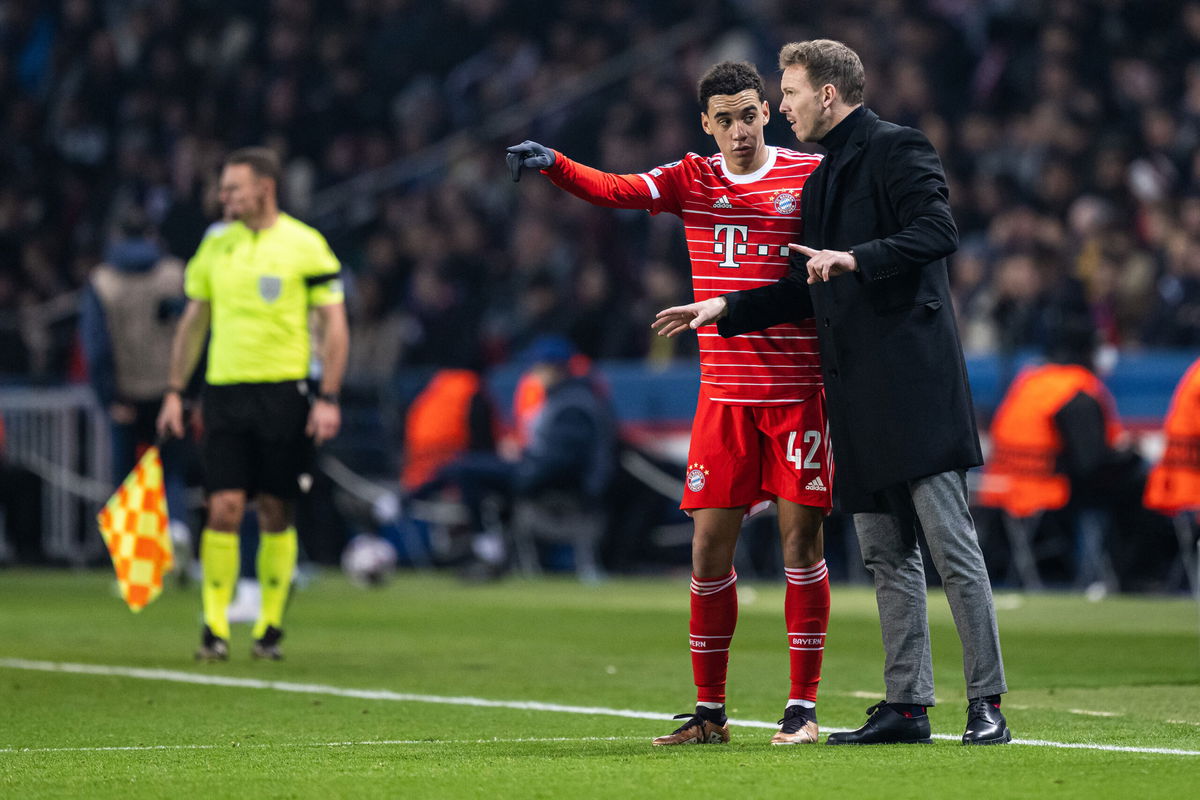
(373, 697)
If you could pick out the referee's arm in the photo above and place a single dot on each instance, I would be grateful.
(325, 418)
(185, 353)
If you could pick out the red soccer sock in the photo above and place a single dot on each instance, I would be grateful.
(714, 616)
(806, 610)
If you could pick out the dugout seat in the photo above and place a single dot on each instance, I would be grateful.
(557, 517)
(1186, 565)
(1093, 564)
(1020, 532)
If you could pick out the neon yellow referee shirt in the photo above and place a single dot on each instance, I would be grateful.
(260, 285)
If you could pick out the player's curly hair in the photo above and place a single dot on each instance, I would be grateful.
(730, 77)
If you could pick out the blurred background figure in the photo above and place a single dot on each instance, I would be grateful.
(570, 449)
(1174, 484)
(254, 284)
(20, 511)
(451, 416)
(129, 310)
(1058, 446)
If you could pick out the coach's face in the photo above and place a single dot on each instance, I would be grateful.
(736, 121)
(243, 193)
(806, 107)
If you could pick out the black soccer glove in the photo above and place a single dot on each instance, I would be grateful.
(530, 155)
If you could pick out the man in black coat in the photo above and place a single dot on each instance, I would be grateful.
(872, 271)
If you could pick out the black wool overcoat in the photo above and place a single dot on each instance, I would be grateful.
(895, 380)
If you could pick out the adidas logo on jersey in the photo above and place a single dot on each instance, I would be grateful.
(722, 202)
(816, 485)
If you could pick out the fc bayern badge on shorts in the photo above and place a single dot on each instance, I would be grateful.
(695, 477)
(785, 203)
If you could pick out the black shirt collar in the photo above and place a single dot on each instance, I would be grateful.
(840, 133)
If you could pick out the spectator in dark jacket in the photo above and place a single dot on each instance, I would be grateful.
(130, 306)
(572, 441)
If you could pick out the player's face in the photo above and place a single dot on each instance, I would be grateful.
(736, 121)
(243, 193)
(806, 107)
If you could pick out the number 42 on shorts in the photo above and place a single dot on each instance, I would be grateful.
(797, 456)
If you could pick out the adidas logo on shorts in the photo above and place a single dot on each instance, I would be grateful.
(816, 485)
(722, 202)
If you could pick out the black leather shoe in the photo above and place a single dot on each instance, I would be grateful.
(985, 724)
(886, 726)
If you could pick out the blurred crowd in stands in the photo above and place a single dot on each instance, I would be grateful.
(1068, 130)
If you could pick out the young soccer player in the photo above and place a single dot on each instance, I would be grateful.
(759, 433)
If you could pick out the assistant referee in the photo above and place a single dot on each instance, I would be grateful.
(254, 283)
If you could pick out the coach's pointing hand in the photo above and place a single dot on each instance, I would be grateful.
(530, 155)
(826, 264)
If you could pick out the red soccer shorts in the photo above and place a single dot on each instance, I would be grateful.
(746, 455)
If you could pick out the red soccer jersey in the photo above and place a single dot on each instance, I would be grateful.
(738, 228)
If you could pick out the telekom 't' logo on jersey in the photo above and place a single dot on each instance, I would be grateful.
(729, 246)
(725, 242)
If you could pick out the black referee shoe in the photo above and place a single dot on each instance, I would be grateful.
(212, 647)
(267, 648)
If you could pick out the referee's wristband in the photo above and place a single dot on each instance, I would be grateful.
(328, 397)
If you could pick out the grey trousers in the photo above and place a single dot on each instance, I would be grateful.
(893, 557)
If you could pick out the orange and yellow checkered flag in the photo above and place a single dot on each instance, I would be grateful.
(134, 526)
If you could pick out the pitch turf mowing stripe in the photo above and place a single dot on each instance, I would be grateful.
(523, 705)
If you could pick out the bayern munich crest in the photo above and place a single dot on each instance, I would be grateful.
(696, 476)
(785, 203)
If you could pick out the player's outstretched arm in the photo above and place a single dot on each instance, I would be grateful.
(528, 155)
(587, 183)
(677, 319)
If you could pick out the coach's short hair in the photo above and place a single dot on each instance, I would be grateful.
(827, 61)
(730, 77)
(262, 160)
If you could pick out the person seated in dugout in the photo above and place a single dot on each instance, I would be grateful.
(1173, 487)
(1058, 445)
(451, 416)
(569, 446)
(1174, 483)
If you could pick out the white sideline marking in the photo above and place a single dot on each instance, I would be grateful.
(336, 691)
(524, 705)
(262, 745)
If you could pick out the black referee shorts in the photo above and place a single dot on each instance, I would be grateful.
(254, 438)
